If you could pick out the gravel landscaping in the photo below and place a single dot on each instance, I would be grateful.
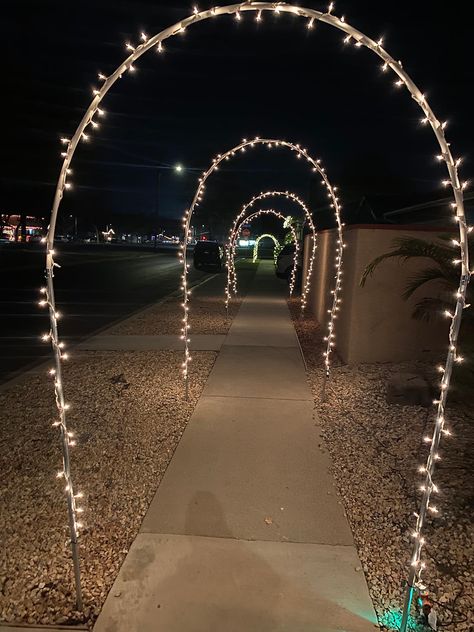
(376, 448)
(207, 313)
(129, 414)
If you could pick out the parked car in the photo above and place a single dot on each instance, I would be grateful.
(36, 239)
(284, 263)
(208, 254)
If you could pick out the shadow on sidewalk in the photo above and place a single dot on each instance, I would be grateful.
(227, 585)
(222, 587)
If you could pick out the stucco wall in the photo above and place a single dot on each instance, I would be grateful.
(374, 323)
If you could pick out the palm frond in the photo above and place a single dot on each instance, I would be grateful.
(430, 308)
(406, 248)
(414, 247)
(424, 276)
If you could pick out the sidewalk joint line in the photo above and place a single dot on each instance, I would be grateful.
(236, 539)
(276, 399)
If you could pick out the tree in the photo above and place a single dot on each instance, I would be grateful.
(443, 271)
(297, 224)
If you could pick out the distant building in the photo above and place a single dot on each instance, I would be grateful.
(20, 227)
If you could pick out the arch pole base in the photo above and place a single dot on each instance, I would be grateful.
(408, 601)
(323, 390)
(59, 394)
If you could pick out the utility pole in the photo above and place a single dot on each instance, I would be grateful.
(158, 191)
(157, 206)
(75, 225)
(178, 168)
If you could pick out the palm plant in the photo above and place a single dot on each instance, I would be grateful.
(446, 275)
(443, 271)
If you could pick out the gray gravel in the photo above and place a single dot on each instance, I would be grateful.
(207, 315)
(375, 448)
(128, 411)
(129, 414)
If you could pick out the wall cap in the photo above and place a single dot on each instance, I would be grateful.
(398, 227)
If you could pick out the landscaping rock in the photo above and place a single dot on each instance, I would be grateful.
(125, 445)
(408, 389)
(376, 449)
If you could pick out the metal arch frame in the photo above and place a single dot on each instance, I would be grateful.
(293, 232)
(429, 118)
(257, 241)
(231, 276)
(331, 193)
(231, 249)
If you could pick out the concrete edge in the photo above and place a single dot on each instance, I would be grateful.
(35, 368)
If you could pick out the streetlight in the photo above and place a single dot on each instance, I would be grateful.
(178, 168)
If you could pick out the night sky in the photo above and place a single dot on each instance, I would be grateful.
(222, 81)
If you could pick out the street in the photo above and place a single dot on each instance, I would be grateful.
(95, 286)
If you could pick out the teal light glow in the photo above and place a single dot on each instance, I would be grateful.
(393, 619)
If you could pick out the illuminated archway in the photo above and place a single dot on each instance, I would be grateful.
(231, 257)
(231, 276)
(250, 218)
(402, 80)
(315, 164)
(276, 243)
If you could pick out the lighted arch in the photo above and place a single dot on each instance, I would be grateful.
(429, 118)
(257, 242)
(231, 276)
(331, 193)
(250, 218)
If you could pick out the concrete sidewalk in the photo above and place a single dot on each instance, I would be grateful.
(246, 532)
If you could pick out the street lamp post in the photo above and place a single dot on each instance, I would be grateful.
(75, 225)
(178, 168)
(157, 206)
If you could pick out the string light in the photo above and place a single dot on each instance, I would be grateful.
(335, 205)
(257, 243)
(231, 277)
(429, 118)
(235, 234)
(66, 435)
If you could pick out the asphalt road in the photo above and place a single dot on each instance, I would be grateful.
(95, 286)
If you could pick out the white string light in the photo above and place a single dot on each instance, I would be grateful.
(233, 233)
(429, 118)
(249, 219)
(67, 437)
(334, 203)
(231, 280)
(276, 244)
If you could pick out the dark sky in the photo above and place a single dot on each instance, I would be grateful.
(222, 81)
